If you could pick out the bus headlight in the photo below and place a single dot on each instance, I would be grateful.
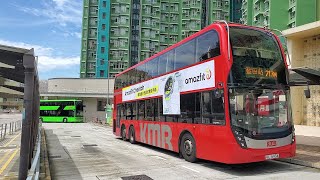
(238, 134)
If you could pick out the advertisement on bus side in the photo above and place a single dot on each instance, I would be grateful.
(169, 86)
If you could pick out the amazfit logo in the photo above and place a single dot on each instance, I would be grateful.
(201, 77)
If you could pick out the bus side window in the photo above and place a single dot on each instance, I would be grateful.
(123, 111)
(156, 110)
(141, 110)
(129, 111)
(185, 55)
(142, 71)
(154, 67)
(212, 108)
(208, 46)
(150, 110)
(187, 106)
(161, 116)
(170, 61)
(162, 63)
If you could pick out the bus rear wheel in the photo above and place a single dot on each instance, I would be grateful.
(132, 137)
(65, 120)
(123, 133)
(188, 148)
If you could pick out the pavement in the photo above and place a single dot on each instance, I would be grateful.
(9, 156)
(9, 117)
(90, 151)
(10, 149)
(308, 147)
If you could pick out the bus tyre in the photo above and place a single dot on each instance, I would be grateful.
(132, 137)
(123, 133)
(65, 120)
(188, 148)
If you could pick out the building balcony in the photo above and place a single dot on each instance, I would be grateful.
(291, 20)
(259, 12)
(256, 1)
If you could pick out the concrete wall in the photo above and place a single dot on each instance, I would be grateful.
(90, 111)
(304, 50)
(88, 90)
(66, 85)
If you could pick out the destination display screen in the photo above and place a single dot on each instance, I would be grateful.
(255, 72)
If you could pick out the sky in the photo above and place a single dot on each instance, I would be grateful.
(51, 27)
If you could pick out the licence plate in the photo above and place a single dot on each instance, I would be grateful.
(272, 156)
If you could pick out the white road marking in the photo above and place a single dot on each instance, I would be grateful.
(191, 169)
(160, 158)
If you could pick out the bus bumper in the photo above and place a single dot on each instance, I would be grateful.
(240, 155)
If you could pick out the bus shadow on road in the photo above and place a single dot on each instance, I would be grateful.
(248, 169)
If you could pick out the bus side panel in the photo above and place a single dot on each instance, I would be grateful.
(163, 135)
(52, 119)
(213, 142)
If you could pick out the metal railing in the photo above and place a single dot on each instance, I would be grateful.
(34, 171)
(9, 129)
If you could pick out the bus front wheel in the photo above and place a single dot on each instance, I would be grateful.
(65, 120)
(188, 148)
(132, 137)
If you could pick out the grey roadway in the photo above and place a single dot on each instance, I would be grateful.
(87, 151)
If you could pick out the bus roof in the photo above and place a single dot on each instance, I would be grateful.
(218, 23)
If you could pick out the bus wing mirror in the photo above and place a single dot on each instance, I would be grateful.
(307, 92)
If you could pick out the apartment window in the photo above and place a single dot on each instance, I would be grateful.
(104, 4)
(103, 26)
(102, 62)
(103, 38)
(102, 49)
(101, 73)
(104, 15)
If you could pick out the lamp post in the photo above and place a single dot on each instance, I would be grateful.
(108, 108)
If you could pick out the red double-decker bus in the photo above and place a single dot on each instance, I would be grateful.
(221, 94)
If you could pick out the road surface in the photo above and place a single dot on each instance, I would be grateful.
(87, 151)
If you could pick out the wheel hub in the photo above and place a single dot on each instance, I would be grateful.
(188, 147)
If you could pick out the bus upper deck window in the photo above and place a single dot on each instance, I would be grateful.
(207, 46)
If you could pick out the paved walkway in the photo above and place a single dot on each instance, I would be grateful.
(10, 149)
(308, 146)
(9, 156)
